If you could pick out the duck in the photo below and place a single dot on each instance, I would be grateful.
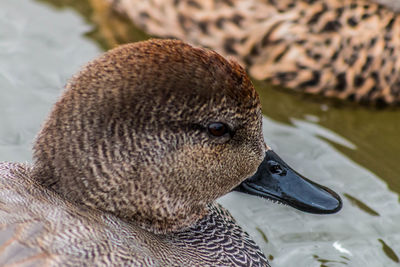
(130, 161)
(342, 49)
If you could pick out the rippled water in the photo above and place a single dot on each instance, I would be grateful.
(354, 150)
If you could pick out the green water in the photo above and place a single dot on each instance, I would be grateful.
(352, 149)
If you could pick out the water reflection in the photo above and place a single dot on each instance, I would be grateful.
(389, 251)
(341, 146)
(361, 205)
(373, 135)
(39, 50)
(348, 238)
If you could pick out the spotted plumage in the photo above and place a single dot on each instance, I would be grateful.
(345, 49)
(391, 4)
(125, 170)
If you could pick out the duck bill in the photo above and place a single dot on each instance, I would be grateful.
(275, 180)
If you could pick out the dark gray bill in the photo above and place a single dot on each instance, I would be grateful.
(275, 180)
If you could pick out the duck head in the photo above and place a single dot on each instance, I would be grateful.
(152, 132)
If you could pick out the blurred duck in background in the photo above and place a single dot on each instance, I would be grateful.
(336, 48)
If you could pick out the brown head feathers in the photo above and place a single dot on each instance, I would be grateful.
(130, 135)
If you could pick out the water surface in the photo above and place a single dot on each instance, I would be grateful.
(353, 150)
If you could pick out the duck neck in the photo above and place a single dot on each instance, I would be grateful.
(178, 221)
(149, 212)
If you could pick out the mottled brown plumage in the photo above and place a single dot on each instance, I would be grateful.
(347, 49)
(125, 171)
(391, 4)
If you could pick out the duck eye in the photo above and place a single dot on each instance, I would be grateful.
(218, 129)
